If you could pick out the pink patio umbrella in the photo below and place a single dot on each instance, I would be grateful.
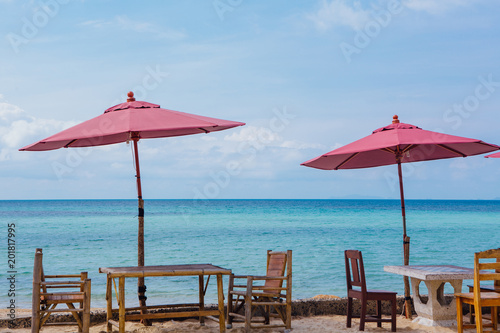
(395, 144)
(132, 121)
(495, 155)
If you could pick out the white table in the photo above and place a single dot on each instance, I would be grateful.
(434, 311)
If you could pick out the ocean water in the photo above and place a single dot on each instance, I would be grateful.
(81, 235)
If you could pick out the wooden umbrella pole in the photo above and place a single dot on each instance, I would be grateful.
(406, 242)
(141, 288)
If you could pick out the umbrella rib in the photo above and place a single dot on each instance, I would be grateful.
(452, 150)
(346, 160)
(204, 130)
(408, 148)
(70, 143)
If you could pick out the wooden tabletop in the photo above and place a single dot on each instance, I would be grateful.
(164, 270)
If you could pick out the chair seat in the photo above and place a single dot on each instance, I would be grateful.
(485, 295)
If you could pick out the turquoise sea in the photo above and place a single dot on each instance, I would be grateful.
(87, 234)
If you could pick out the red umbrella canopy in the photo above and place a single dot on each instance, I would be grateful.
(133, 119)
(408, 142)
(495, 155)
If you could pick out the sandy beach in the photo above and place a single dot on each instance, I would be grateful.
(319, 324)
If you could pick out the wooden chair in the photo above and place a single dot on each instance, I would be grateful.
(356, 288)
(488, 288)
(272, 299)
(49, 291)
(484, 270)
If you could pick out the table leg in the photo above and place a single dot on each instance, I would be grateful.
(435, 311)
(202, 298)
(109, 303)
(121, 304)
(220, 293)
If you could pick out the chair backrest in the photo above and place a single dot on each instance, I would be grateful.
(486, 269)
(497, 282)
(277, 264)
(354, 270)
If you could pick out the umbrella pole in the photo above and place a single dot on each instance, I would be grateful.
(406, 243)
(141, 288)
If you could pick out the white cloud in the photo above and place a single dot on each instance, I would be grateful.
(340, 13)
(436, 7)
(255, 136)
(123, 22)
(293, 144)
(17, 128)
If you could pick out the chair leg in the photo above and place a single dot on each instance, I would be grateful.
(86, 307)
(35, 319)
(494, 317)
(349, 312)
(379, 313)
(267, 310)
(393, 314)
(363, 315)
(229, 311)
(479, 318)
(460, 318)
(248, 306)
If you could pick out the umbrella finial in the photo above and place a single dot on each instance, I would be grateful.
(130, 97)
(395, 119)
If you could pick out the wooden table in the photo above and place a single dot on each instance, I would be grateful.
(434, 311)
(199, 270)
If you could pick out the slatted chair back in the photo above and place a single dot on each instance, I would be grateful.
(276, 265)
(355, 271)
(485, 269)
(497, 282)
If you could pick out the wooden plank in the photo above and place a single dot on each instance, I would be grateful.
(59, 276)
(163, 306)
(109, 304)
(267, 326)
(114, 323)
(86, 306)
(182, 314)
(61, 323)
(201, 297)
(121, 304)
(489, 265)
(37, 277)
(61, 310)
(213, 318)
(220, 293)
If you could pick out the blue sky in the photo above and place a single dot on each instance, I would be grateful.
(305, 76)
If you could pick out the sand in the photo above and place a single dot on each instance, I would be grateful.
(320, 324)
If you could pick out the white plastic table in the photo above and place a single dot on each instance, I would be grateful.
(434, 311)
